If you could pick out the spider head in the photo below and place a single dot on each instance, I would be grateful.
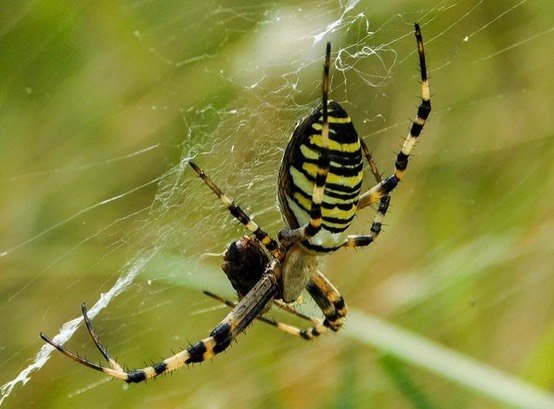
(244, 263)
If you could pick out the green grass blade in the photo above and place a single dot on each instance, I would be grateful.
(444, 362)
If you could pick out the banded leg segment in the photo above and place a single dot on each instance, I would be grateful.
(358, 240)
(220, 338)
(329, 300)
(361, 240)
(423, 111)
(318, 327)
(288, 237)
(270, 244)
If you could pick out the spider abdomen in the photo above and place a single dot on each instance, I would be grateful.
(299, 170)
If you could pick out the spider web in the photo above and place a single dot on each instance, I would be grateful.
(225, 84)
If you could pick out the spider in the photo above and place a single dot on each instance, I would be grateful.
(319, 190)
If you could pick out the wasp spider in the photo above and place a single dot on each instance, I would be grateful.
(319, 193)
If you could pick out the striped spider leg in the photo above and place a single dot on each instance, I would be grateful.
(318, 326)
(219, 339)
(380, 192)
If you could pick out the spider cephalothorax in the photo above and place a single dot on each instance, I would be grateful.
(244, 263)
(319, 191)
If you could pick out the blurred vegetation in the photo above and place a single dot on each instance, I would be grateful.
(100, 101)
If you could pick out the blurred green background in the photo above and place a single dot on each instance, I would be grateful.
(101, 102)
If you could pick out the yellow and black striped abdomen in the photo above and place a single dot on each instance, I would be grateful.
(344, 180)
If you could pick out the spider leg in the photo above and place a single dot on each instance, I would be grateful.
(372, 164)
(103, 350)
(270, 244)
(386, 186)
(219, 339)
(325, 295)
(373, 195)
(72, 355)
(288, 308)
(356, 240)
(310, 229)
(289, 329)
(279, 303)
(380, 192)
(328, 299)
(330, 302)
(360, 240)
